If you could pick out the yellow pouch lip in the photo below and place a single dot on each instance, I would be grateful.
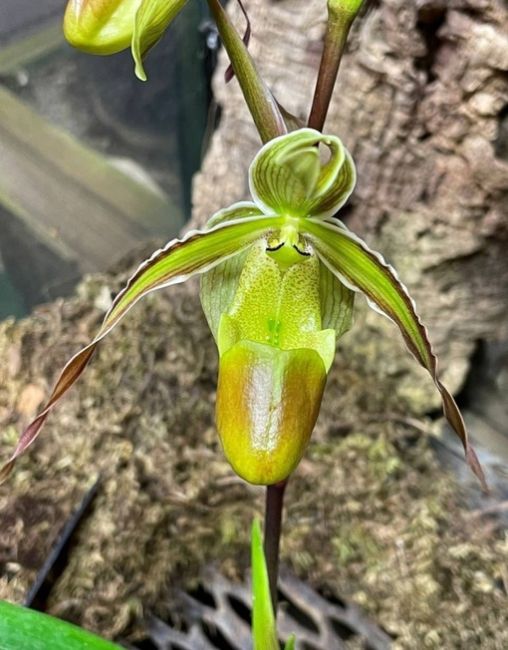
(267, 404)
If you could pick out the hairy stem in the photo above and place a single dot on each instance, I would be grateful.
(262, 105)
(273, 523)
(340, 19)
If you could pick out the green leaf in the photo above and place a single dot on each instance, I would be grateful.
(364, 270)
(263, 620)
(288, 175)
(25, 629)
(152, 20)
(290, 643)
(179, 260)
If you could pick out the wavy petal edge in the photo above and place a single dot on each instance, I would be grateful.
(421, 349)
(140, 284)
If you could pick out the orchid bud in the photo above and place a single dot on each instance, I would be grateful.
(100, 26)
(110, 26)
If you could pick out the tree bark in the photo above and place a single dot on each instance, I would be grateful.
(421, 103)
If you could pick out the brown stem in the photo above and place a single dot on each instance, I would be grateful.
(337, 30)
(273, 524)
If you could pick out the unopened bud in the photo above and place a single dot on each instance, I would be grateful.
(100, 26)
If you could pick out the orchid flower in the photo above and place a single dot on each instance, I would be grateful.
(110, 26)
(279, 275)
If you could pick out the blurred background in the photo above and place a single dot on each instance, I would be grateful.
(92, 161)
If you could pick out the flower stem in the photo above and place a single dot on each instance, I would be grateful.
(273, 523)
(341, 14)
(262, 105)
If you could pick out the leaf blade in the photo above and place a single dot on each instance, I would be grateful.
(290, 643)
(179, 260)
(25, 629)
(364, 270)
(263, 620)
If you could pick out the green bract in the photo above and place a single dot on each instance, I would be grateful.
(109, 26)
(264, 631)
(278, 277)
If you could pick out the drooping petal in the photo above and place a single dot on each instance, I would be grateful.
(100, 26)
(196, 253)
(364, 270)
(152, 20)
(289, 177)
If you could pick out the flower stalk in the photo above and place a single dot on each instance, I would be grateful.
(260, 101)
(341, 14)
(273, 523)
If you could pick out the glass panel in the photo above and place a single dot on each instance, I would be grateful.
(93, 162)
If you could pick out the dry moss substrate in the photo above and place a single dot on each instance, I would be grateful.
(370, 517)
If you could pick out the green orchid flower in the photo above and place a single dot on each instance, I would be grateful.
(110, 26)
(278, 279)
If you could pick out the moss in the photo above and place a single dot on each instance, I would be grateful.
(370, 514)
(355, 543)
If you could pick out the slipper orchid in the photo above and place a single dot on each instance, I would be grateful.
(110, 26)
(278, 279)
